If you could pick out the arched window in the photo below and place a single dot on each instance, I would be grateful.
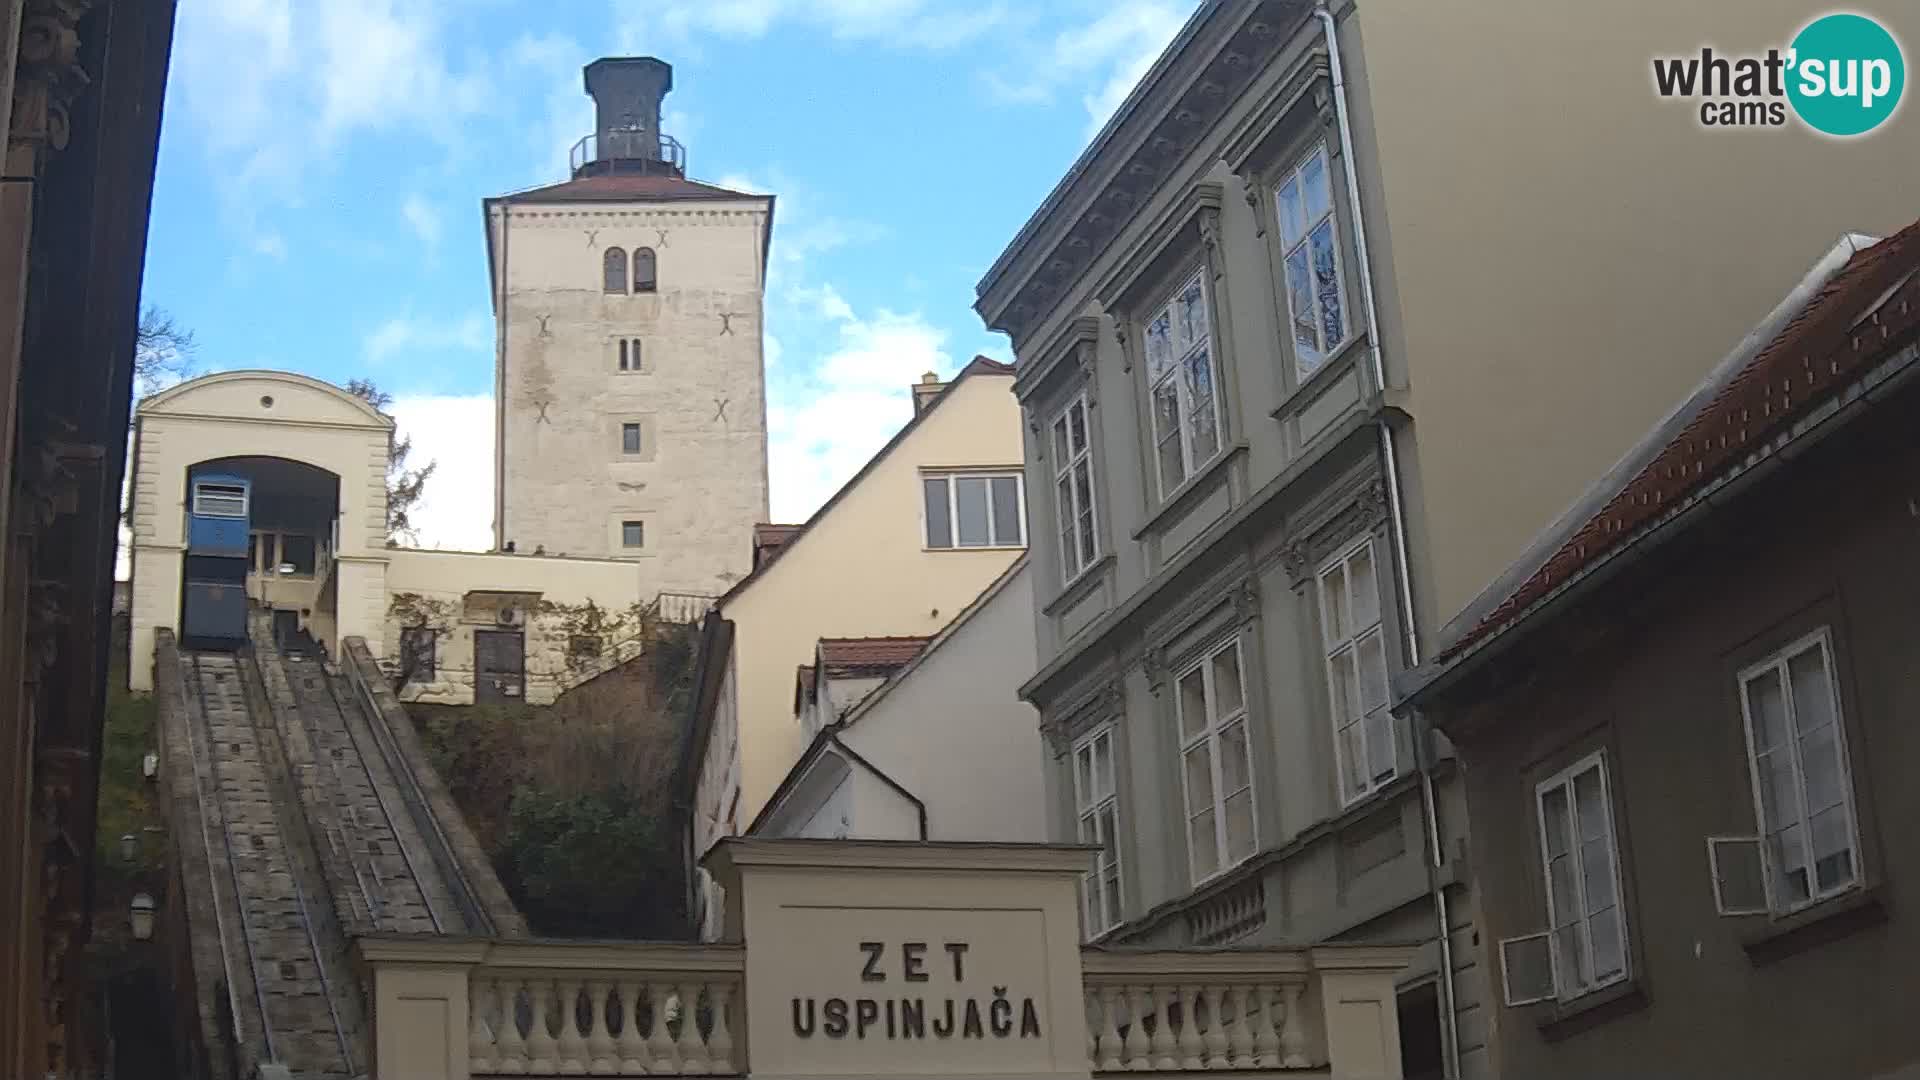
(643, 270)
(615, 269)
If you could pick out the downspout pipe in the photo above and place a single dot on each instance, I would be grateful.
(1396, 511)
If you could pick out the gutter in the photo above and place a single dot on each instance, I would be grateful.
(1396, 511)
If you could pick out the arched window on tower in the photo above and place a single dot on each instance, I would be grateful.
(643, 270)
(614, 268)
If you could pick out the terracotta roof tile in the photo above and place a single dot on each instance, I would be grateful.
(624, 186)
(845, 655)
(1857, 318)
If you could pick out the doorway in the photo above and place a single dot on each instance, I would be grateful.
(499, 666)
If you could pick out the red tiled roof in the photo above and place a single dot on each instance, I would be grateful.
(622, 187)
(842, 655)
(772, 536)
(1864, 311)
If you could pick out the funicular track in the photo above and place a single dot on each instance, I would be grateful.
(294, 1002)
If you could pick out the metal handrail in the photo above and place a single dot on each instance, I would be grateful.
(627, 144)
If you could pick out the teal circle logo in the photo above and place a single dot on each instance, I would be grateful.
(1846, 74)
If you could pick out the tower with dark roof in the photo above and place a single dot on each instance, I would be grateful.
(629, 380)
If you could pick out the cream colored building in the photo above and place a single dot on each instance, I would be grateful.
(454, 627)
(630, 392)
(1346, 303)
(921, 739)
(933, 519)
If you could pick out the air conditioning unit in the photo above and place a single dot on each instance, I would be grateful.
(510, 616)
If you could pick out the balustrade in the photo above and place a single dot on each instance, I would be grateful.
(1196, 1012)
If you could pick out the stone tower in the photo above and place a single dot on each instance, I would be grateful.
(629, 382)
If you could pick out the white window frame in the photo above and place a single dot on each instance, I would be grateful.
(1209, 734)
(1078, 550)
(223, 494)
(642, 526)
(1089, 805)
(629, 355)
(1821, 639)
(1365, 719)
(1296, 175)
(953, 508)
(1596, 761)
(1176, 365)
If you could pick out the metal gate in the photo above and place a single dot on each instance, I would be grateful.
(499, 665)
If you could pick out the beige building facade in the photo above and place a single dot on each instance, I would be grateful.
(630, 391)
(1344, 305)
(933, 519)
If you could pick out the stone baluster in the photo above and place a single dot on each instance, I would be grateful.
(659, 1043)
(571, 1047)
(633, 1045)
(480, 994)
(510, 1047)
(720, 1041)
(1136, 1051)
(1108, 1059)
(1293, 1033)
(1239, 1029)
(1219, 1020)
(693, 1052)
(1266, 1041)
(1190, 1044)
(543, 1056)
(600, 1038)
(1163, 1044)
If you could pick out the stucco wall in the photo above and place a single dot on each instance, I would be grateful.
(955, 733)
(862, 569)
(700, 481)
(1565, 258)
(429, 588)
(1829, 540)
(256, 414)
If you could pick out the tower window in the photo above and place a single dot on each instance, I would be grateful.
(629, 354)
(629, 438)
(644, 279)
(633, 534)
(614, 268)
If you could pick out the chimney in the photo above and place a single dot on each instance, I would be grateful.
(925, 391)
(626, 92)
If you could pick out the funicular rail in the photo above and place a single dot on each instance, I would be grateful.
(286, 964)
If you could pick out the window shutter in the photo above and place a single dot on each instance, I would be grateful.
(1738, 867)
(1526, 968)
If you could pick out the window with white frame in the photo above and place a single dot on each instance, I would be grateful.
(1097, 802)
(1310, 248)
(1180, 378)
(1797, 754)
(1073, 481)
(975, 510)
(1216, 761)
(1585, 944)
(1356, 652)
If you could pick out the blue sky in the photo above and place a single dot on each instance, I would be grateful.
(323, 161)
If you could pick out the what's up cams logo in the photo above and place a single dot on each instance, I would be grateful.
(1843, 75)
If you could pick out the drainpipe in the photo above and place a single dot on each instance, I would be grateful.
(1396, 511)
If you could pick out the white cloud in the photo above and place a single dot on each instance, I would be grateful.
(456, 434)
(272, 245)
(1104, 57)
(424, 219)
(823, 425)
(407, 333)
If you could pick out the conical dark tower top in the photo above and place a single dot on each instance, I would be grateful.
(626, 92)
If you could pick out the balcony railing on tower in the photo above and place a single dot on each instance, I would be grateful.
(628, 150)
